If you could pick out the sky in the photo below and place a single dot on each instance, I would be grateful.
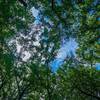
(98, 66)
(67, 49)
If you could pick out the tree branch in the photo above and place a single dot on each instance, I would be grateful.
(88, 94)
(23, 2)
(52, 4)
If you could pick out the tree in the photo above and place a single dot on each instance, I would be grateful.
(77, 78)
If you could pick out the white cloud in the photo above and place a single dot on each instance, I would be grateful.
(18, 47)
(35, 12)
(36, 43)
(67, 47)
(26, 56)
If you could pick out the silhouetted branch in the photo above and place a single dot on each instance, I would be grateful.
(88, 94)
(52, 4)
(23, 2)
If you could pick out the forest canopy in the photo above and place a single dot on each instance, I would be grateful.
(32, 35)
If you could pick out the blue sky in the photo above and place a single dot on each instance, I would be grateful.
(67, 49)
(98, 66)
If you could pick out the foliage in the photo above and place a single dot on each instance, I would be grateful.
(77, 78)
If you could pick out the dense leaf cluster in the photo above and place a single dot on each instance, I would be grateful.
(77, 78)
